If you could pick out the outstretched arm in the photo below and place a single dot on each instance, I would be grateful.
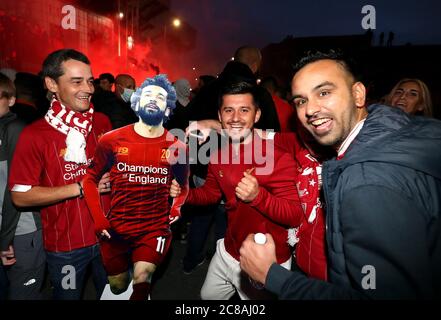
(181, 173)
(209, 193)
(101, 163)
(379, 260)
(201, 129)
(259, 262)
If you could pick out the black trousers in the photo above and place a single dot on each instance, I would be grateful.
(26, 276)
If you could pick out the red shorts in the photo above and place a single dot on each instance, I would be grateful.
(117, 251)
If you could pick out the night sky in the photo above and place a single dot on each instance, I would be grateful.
(224, 25)
(30, 29)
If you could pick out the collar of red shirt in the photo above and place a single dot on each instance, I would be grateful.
(345, 145)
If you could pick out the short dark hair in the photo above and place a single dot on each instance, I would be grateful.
(7, 88)
(348, 63)
(159, 80)
(239, 88)
(52, 64)
(107, 76)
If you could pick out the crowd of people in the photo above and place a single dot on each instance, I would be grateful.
(95, 171)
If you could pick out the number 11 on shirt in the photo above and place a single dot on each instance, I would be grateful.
(160, 245)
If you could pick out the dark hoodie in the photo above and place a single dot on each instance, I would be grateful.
(383, 206)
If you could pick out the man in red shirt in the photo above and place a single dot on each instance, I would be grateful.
(309, 237)
(244, 161)
(49, 163)
(142, 159)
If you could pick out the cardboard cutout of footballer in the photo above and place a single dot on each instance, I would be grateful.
(142, 159)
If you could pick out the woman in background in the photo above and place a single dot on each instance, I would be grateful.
(412, 96)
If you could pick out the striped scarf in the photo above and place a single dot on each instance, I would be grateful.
(75, 125)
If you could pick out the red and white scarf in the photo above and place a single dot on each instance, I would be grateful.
(75, 125)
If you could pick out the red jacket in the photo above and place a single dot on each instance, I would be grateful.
(274, 210)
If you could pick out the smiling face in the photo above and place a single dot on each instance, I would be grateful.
(329, 102)
(238, 114)
(74, 88)
(407, 97)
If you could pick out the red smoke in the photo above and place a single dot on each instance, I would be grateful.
(31, 29)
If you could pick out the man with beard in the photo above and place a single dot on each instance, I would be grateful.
(382, 193)
(142, 159)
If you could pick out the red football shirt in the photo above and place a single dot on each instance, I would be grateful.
(286, 114)
(141, 172)
(39, 161)
(311, 246)
(275, 209)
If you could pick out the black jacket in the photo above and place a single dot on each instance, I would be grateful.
(383, 207)
(119, 112)
(10, 129)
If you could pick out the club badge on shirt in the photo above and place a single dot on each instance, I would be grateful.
(62, 152)
(122, 151)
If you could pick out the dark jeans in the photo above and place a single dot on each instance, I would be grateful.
(26, 276)
(67, 272)
(198, 234)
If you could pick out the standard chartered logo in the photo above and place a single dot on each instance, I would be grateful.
(73, 170)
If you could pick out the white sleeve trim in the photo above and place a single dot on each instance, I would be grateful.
(21, 188)
(270, 135)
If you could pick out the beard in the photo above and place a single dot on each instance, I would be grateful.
(149, 117)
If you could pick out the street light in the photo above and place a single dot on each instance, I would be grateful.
(130, 42)
(176, 23)
(120, 15)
